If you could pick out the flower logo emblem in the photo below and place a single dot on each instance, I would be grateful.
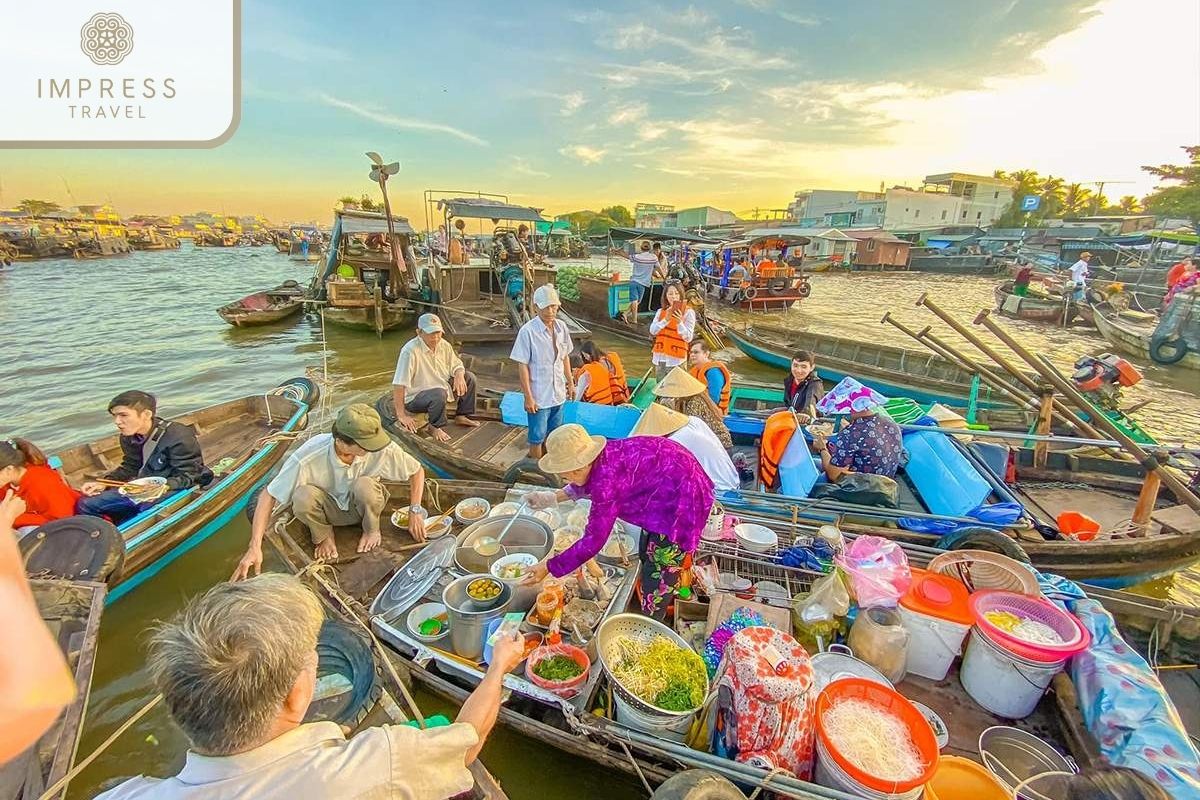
(106, 39)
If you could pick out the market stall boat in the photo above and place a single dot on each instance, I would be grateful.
(775, 282)
(1035, 308)
(378, 589)
(242, 440)
(263, 308)
(305, 243)
(1180, 348)
(71, 611)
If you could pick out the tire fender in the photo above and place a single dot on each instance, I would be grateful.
(992, 541)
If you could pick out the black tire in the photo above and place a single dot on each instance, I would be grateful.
(984, 539)
(79, 548)
(310, 392)
(804, 289)
(697, 784)
(1167, 350)
(750, 292)
(527, 471)
(343, 650)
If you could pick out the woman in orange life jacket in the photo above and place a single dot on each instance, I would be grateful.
(673, 327)
(601, 377)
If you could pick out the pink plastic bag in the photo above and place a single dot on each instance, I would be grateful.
(876, 569)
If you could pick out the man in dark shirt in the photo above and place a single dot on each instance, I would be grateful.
(151, 447)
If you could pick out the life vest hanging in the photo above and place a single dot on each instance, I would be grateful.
(701, 373)
(617, 378)
(599, 388)
(777, 432)
(668, 342)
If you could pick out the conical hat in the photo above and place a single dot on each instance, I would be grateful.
(658, 420)
(678, 383)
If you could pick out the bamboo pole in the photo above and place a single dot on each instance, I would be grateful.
(1045, 414)
(983, 346)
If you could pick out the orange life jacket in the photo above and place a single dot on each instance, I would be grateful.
(777, 433)
(599, 388)
(617, 378)
(668, 342)
(699, 374)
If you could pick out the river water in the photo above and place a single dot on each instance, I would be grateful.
(81, 332)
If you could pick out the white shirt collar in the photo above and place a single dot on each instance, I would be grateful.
(200, 769)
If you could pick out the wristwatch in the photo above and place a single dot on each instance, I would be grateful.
(418, 510)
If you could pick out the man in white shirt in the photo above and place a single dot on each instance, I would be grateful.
(542, 352)
(238, 670)
(1079, 274)
(427, 372)
(645, 265)
(695, 435)
(336, 479)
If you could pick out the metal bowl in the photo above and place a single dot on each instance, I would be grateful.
(527, 535)
(638, 627)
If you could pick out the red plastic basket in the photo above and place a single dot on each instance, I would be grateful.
(1075, 637)
(897, 705)
(567, 688)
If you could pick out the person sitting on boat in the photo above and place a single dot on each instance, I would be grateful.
(673, 327)
(872, 443)
(46, 494)
(644, 265)
(238, 670)
(712, 373)
(428, 374)
(151, 447)
(1182, 280)
(802, 387)
(647, 481)
(687, 395)
(1079, 274)
(601, 378)
(542, 351)
(335, 479)
(697, 437)
(663, 267)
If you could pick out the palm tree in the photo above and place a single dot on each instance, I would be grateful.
(1052, 195)
(1128, 204)
(1077, 199)
(37, 208)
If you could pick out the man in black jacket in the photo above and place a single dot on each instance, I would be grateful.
(151, 448)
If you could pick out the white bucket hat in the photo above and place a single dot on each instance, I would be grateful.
(546, 296)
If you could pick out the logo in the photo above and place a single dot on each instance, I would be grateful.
(106, 39)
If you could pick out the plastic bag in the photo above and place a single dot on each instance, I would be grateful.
(877, 570)
(860, 488)
(879, 638)
(816, 615)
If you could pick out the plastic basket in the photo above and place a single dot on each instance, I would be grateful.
(979, 569)
(567, 688)
(891, 701)
(1075, 637)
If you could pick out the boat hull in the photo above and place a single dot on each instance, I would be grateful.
(367, 318)
(1133, 341)
(246, 318)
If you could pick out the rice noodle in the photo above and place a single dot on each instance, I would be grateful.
(873, 740)
(1035, 632)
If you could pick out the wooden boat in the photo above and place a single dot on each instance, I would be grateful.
(350, 287)
(602, 302)
(242, 441)
(262, 308)
(581, 726)
(150, 238)
(71, 610)
(301, 235)
(216, 238)
(955, 265)
(1135, 339)
(891, 370)
(771, 285)
(1034, 308)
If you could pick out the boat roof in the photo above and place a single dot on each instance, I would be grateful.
(878, 235)
(658, 235)
(486, 208)
(810, 233)
(354, 221)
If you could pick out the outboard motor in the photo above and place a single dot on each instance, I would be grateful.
(1102, 377)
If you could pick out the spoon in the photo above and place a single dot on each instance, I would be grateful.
(487, 545)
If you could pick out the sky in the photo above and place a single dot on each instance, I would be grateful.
(738, 105)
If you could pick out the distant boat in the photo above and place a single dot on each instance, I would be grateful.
(262, 308)
(1034, 308)
(1138, 338)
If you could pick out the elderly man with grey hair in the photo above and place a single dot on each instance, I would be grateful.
(238, 669)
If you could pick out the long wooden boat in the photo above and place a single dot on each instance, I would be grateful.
(900, 371)
(359, 263)
(602, 302)
(1033, 308)
(242, 440)
(1134, 338)
(956, 265)
(262, 308)
(581, 727)
(71, 611)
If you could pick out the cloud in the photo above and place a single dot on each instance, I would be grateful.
(651, 131)
(522, 166)
(287, 45)
(403, 123)
(769, 7)
(589, 17)
(627, 114)
(571, 103)
(806, 20)
(584, 153)
(694, 16)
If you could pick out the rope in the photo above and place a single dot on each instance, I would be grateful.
(81, 765)
(636, 767)
(767, 779)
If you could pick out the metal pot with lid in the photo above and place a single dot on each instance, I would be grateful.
(526, 535)
(468, 618)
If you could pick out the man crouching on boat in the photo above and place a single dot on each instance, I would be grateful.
(336, 479)
(238, 670)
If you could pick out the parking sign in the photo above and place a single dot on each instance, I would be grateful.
(1030, 202)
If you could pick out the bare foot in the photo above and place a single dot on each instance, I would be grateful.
(439, 435)
(326, 550)
(369, 541)
(467, 422)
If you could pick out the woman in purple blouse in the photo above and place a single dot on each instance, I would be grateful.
(648, 481)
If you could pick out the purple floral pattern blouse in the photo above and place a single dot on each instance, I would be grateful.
(868, 444)
(649, 481)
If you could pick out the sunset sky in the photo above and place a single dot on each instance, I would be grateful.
(732, 104)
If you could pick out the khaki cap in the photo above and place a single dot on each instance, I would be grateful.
(361, 423)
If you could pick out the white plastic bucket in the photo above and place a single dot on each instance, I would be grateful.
(830, 775)
(1002, 682)
(673, 727)
(933, 645)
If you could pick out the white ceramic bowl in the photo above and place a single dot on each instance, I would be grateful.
(524, 559)
(549, 516)
(143, 487)
(566, 536)
(504, 509)
(480, 506)
(772, 593)
(423, 612)
(733, 583)
(437, 527)
(756, 538)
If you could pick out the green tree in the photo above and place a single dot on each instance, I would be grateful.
(600, 224)
(1129, 205)
(347, 202)
(38, 208)
(1183, 199)
(578, 220)
(1077, 200)
(1027, 182)
(1053, 193)
(619, 215)
(367, 204)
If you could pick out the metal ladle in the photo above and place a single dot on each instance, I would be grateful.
(488, 546)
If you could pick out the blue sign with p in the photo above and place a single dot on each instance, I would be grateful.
(1030, 202)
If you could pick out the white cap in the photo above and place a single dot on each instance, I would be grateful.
(546, 296)
(429, 323)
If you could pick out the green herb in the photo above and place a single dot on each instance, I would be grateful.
(558, 668)
(676, 697)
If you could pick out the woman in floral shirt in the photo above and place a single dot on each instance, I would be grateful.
(649, 481)
(872, 443)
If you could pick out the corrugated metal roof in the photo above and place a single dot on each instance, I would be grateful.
(658, 235)
(482, 208)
